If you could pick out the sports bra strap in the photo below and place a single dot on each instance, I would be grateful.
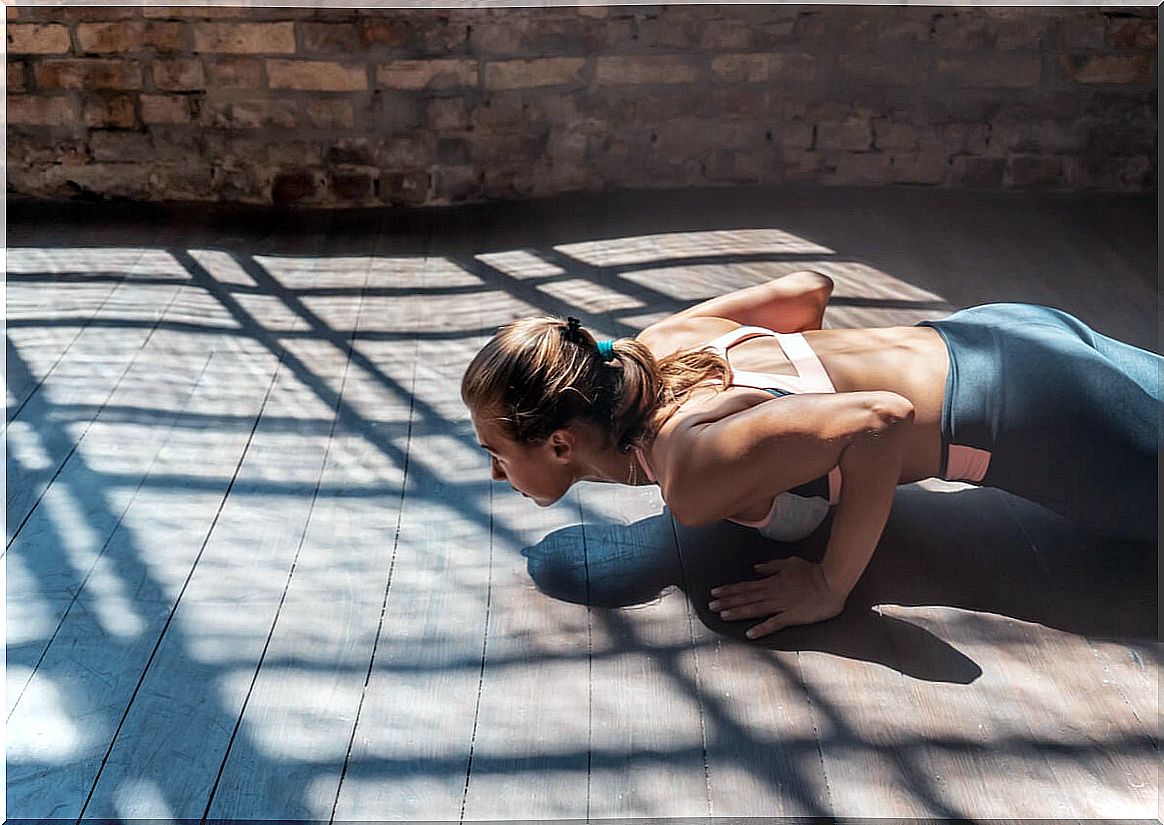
(811, 375)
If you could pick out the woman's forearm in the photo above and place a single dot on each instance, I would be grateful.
(870, 469)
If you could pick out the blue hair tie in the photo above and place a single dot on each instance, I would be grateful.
(606, 350)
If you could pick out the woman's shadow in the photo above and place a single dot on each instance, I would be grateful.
(964, 550)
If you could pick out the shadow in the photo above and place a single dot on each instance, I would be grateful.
(936, 551)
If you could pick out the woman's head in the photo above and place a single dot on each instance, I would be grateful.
(538, 375)
(541, 376)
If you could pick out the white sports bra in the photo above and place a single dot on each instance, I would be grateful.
(791, 516)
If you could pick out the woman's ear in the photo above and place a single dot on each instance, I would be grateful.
(563, 442)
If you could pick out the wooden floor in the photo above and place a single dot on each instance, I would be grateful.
(256, 568)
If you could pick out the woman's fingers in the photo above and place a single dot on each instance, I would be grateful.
(766, 628)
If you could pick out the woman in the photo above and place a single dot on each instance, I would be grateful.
(743, 408)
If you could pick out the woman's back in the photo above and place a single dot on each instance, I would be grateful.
(910, 361)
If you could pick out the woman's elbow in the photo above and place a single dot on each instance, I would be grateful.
(888, 411)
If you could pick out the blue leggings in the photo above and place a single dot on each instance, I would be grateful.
(1070, 417)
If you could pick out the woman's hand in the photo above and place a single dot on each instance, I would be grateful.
(794, 592)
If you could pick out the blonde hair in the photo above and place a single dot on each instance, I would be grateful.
(540, 374)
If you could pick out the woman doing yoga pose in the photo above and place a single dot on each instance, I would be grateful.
(743, 408)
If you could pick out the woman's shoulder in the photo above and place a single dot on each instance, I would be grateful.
(678, 333)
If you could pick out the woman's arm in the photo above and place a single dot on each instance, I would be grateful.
(726, 461)
(791, 303)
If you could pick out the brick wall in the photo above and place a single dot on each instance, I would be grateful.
(407, 106)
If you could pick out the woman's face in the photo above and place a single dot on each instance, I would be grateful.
(538, 471)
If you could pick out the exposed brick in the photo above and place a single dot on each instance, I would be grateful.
(1037, 136)
(121, 146)
(88, 73)
(114, 111)
(197, 12)
(100, 180)
(329, 37)
(593, 11)
(81, 14)
(11, 13)
(448, 114)
(669, 30)
(404, 188)
(1081, 29)
(1108, 68)
(353, 185)
(291, 187)
(1134, 34)
(51, 38)
(391, 33)
(165, 109)
(180, 75)
(661, 69)
(131, 36)
(403, 153)
(41, 111)
(853, 134)
(919, 168)
(1002, 70)
(455, 183)
(725, 34)
(245, 38)
(964, 30)
(894, 136)
(890, 70)
(289, 153)
(329, 114)
(758, 68)
(978, 172)
(413, 75)
(234, 72)
(351, 152)
(317, 75)
(15, 76)
(526, 74)
(1028, 171)
(248, 114)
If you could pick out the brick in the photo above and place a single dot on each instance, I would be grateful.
(448, 114)
(121, 146)
(978, 172)
(41, 111)
(597, 12)
(414, 75)
(758, 68)
(165, 109)
(114, 111)
(1134, 34)
(1040, 137)
(920, 168)
(455, 183)
(894, 136)
(329, 37)
(101, 180)
(400, 153)
(669, 30)
(11, 12)
(650, 69)
(1081, 29)
(180, 75)
(292, 187)
(527, 74)
(51, 38)
(289, 153)
(190, 181)
(895, 70)
(15, 76)
(42, 147)
(353, 185)
(317, 75)
(1000, 70)
(131, 36)
(245, 38)
(391, 33)
(79, 14)
(234, 73)
(404, 188)
(248, 114)
(351, 152)
(966, 30)
(1108, 68)
(1036, 171)
(329, 114)
(725, 34)
(852, 134)
(197, 12)
(88, 73)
